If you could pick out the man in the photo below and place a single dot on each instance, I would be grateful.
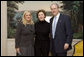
(60, 30)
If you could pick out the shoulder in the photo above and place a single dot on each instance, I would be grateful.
(32, 25)
(65, 17)
(47, 22)
(36, 23)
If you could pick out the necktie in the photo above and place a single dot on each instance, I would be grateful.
(54, 27)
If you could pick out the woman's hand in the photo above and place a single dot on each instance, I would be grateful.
(66, 46)
(17, 50)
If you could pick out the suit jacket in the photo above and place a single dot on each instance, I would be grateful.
(63, 33)
(24, 35)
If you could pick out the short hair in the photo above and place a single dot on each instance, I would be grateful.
(54, 4)
(41, 11)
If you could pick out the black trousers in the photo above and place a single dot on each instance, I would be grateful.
(59, 54)
(54, 53)
(42, 48)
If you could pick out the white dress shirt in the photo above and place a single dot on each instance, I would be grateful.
(54, 24)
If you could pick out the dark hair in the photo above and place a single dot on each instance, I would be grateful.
(41, 11)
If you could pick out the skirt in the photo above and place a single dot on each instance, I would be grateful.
(27, 51)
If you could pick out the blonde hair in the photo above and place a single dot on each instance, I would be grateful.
(24, 21)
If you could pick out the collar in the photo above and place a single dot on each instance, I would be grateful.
(57, 15)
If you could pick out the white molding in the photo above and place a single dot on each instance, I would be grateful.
(3, 28)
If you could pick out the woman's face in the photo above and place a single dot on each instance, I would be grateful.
(28, 16)
(41, 16)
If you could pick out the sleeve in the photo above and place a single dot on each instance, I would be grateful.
(69, 33)
(35, 28)
(18, 35)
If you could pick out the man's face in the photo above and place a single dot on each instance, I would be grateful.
(54, 10)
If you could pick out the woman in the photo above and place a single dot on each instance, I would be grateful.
(42, 30)
(25, 35)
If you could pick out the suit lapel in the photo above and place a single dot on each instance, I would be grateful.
(51, 21)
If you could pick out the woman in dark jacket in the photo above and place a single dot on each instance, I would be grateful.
(42, 30)
(24, 41)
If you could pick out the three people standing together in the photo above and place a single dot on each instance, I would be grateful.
(35, 39)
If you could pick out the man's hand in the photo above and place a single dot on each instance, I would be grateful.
(17, 50)
(66, 46)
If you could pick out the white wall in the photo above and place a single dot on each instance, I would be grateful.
(36, 5)
(48, 18)
(3, 28)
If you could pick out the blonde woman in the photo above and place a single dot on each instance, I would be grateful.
(24, 41)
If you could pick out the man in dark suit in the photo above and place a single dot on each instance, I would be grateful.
(60, 30)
